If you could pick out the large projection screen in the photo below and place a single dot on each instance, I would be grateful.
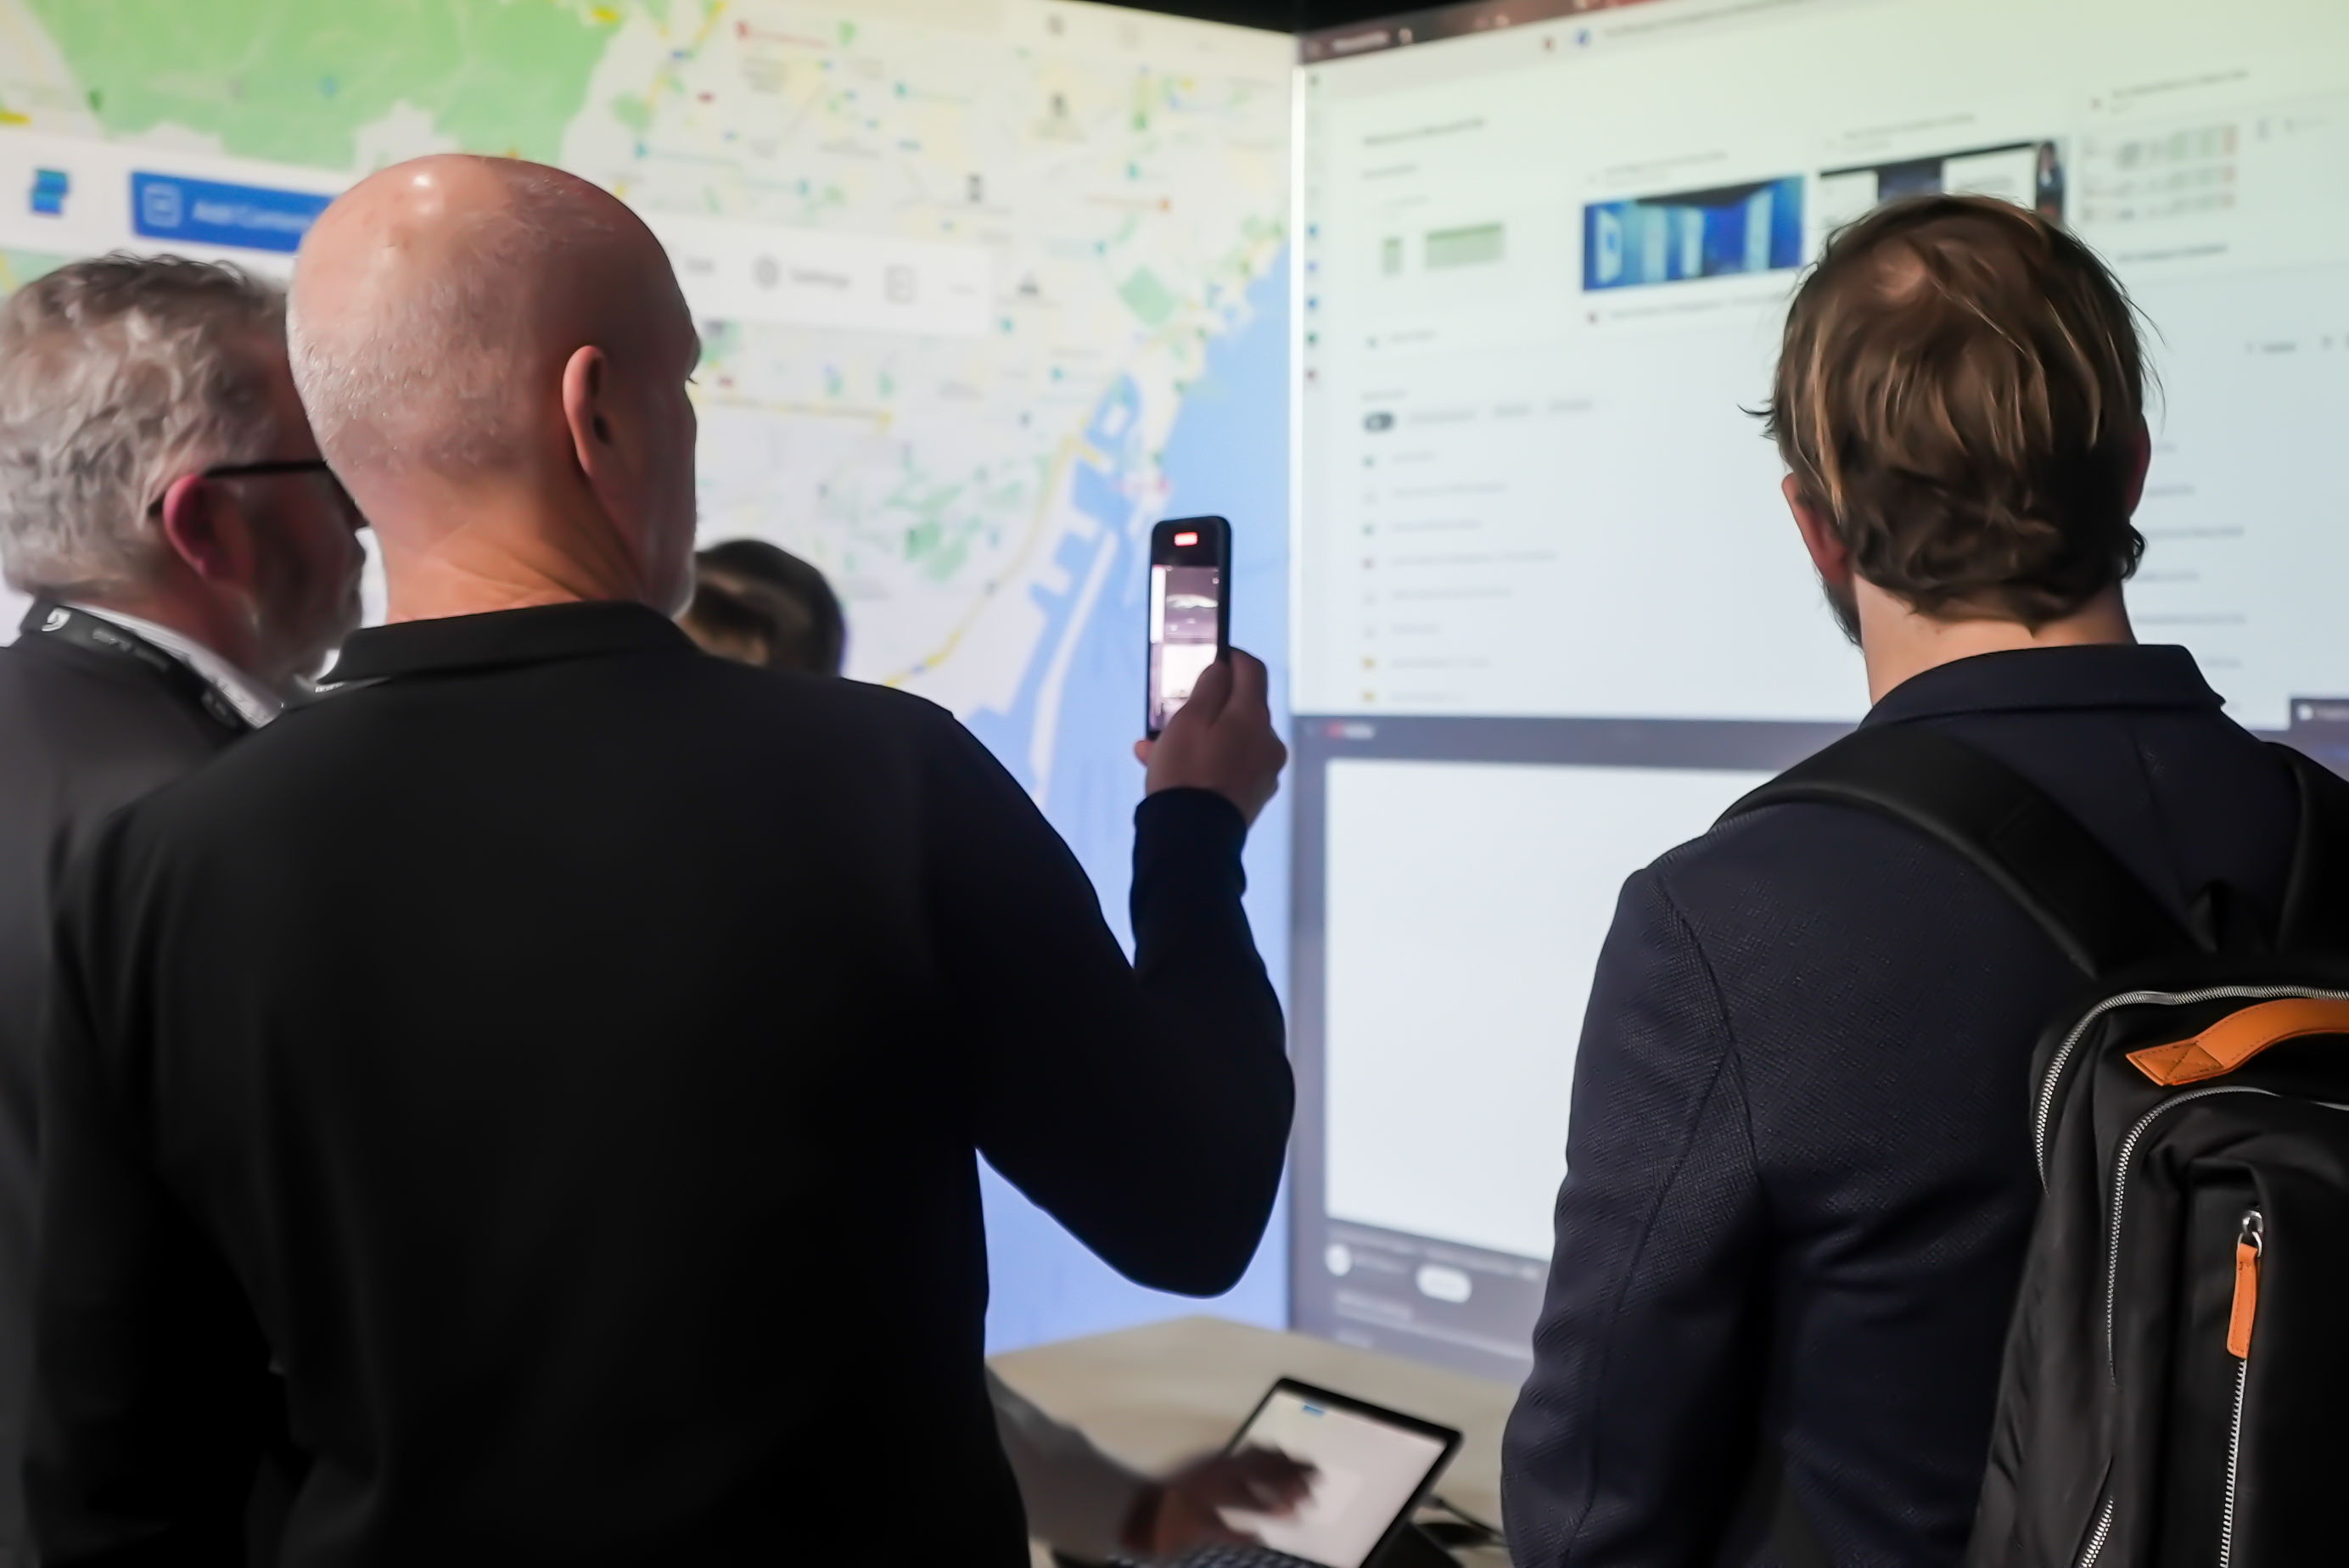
(987, 287)
(1551, 616)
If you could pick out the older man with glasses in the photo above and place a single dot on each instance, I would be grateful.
(192, 563)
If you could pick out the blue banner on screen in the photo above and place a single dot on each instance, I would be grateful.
(1692, 234)
(206, 213)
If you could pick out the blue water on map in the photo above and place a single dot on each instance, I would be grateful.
(1226, 455)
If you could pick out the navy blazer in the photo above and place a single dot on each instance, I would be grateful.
(1799, 1174)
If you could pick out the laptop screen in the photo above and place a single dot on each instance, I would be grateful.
(1371, 1471)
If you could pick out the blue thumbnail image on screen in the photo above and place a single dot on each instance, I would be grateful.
(1731, 229)
(50, 188)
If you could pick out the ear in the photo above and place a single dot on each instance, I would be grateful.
(586, 411)
(2144, 460)
(1829, 551)
(206, 529)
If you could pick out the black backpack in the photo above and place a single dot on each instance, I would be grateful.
(2176, 1386)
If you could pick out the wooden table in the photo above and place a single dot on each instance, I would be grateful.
(1158, 1395)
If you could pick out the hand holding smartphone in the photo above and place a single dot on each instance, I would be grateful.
(1190, 610)
(1226, 742)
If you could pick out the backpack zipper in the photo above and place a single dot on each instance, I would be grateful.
(2044, 1114)
(2251, 1249)
(2103, 1530)
(2120, 1201)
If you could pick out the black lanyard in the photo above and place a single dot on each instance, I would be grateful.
(72, 626)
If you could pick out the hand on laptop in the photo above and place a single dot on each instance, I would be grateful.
(1185, 1509)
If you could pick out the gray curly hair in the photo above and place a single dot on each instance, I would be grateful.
(118, 374)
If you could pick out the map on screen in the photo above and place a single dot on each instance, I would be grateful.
(986, 286)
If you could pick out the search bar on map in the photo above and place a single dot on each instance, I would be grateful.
(65, 197)
(173, 208)
(808, 277)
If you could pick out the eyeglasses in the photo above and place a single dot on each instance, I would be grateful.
(241, 470)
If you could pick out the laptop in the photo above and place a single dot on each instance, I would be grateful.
(1375, 1468)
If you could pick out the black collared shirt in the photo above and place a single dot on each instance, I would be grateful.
(499, 639)
(2131, 738)
(568, 1057)
(2133, 675)
(1799, 1179)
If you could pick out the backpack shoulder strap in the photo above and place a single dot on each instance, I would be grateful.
(2097, 911)
(2316, 899)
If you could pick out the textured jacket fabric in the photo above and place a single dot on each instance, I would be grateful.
(1799, 1178)
(83, 733)
(567, 1059)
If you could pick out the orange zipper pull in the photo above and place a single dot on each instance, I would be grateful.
(2249, 1244)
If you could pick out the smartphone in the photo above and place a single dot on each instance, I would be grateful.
(1190, 609)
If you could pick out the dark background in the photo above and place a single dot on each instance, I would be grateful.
(1280, 15)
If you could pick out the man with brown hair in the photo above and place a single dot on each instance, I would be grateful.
(1799, 1174)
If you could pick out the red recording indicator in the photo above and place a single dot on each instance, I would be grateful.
(1181, 540)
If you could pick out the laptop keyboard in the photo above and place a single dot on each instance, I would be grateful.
(1239, 1557)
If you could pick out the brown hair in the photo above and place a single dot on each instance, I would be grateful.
(1961, 391)
(762, 605)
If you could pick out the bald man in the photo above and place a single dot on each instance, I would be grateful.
(565, 1057)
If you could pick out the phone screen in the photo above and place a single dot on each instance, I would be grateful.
(1189, 561)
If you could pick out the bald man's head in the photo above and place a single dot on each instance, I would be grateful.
(466, 329)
